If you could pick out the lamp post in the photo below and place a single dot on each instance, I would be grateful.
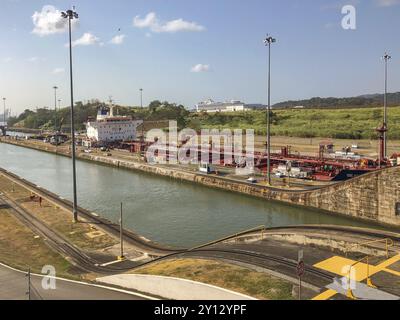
(141, 97)
(4, 112)
(121, 256)
(71, 14)
(55, 108)
(268, 41)
(386, 57)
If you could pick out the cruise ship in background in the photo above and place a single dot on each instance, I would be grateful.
(212, 106)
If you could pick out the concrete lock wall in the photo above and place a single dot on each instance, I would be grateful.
(371, 197)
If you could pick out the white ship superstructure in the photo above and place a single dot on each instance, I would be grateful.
(110, 128)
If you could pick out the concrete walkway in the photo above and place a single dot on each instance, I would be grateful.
(362, 291)
(172, 288)
(14, 286)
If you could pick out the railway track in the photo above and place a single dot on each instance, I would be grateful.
(313, 276)
(57, 242)
(110, 227)
(87, 263)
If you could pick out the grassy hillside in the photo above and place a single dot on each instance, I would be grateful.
(368, 100)
(330, 123)
(345, 123)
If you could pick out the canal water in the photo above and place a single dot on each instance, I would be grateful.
(164, 210)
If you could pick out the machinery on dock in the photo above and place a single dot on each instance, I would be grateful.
(327, 165)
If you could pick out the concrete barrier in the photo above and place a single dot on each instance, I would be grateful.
(172, 288)
(373, 197)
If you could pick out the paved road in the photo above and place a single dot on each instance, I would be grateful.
(14, 285)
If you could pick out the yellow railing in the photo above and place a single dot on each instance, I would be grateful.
(388, 244)
(350, 294)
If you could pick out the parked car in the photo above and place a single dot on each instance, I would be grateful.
(206, 168)
(279, 174)
(252, 180)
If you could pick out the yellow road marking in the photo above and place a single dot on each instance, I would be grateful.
(325, 295)
(396, 273)
(340, 266)
(389, 262)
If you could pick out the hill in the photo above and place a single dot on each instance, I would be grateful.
(363, 101)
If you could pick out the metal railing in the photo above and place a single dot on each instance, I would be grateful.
(388, 244)
(349, 293)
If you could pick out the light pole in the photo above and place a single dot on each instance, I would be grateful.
(268, 41)
(121, 257)
(55, 108)
(71, 14)
(386, 57)
(4, 112)
(28, 276)
(141, 97)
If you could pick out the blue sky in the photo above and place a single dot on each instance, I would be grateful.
(313, 56)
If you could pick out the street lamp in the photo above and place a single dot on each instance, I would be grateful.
(268, 41)
(386, 57)
(141, 97)
(55, 108)
(71, 14)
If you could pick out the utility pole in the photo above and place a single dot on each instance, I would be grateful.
(386, 57)
(71, 14)
(4, 112)
(121, 235)
(141, 97)
(288, 170)
(28, 293)
(55, 108)
(268, 41)
(300, 269)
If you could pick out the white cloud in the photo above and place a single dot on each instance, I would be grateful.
(118, 39)
(87, 39)
(387, 3)
(7, 59)
(150, 21)
(153, 23)
(200, 68)
(58, 70)
(49, 21)
(33, 59)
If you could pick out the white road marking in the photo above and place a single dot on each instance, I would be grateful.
(85, 284)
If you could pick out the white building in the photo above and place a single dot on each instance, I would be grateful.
(227, 106)
(110, 128)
